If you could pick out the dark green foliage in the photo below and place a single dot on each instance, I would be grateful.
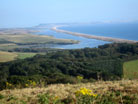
(128, 100)
(104, 62)
(34, 50)
(48, 99)
(3, 41)
(1, 96)
(69, 100)
(106, 98)
(16, 80)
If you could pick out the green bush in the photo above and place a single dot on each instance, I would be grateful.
(1, 96)
(48, 99)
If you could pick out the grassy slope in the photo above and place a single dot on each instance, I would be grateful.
(7, 56)
(29, 95)
(131, 70)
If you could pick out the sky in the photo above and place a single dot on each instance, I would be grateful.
(26, 13)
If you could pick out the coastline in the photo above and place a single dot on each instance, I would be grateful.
(110, 39)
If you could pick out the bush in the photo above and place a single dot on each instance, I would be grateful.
(1, 96)
(48, 99)
(85, 96)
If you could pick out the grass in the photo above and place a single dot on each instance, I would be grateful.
(29, 38)
(7, 56)
(25, 40)
(25, 55)
(127, 88)
(131, 70)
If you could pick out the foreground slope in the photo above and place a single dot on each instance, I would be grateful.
(123, 92)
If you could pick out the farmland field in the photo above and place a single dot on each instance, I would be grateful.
(131, 70)
(7, 56)
(9, 42)
(25, 55)
(33, 39)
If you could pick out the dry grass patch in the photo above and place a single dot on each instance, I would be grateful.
(7, 56)
(126, 87)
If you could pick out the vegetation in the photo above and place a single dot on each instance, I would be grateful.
(131, 69)
(34, 50)
(107, 92)
(103, 63)
(75, 69)
(81, 76)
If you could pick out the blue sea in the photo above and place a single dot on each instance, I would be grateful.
(125, 31)
(121, 30)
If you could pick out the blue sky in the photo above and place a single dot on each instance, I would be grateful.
(24, 13)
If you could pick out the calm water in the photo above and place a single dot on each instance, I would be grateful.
(124, 31)
(84, 42)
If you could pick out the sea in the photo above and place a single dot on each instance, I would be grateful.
(115, 30)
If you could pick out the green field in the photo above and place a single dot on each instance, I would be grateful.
(25, 55)
(131, 70)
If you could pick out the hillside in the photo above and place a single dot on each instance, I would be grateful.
(64, 72)
(105, 62)
(108, 92)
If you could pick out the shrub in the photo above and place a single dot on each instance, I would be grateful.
(1, 96)
(85, 96)
(48, 99)
(80, 78)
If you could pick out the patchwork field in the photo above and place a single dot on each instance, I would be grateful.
(9, 56)
(8, 46)
(131, 70)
